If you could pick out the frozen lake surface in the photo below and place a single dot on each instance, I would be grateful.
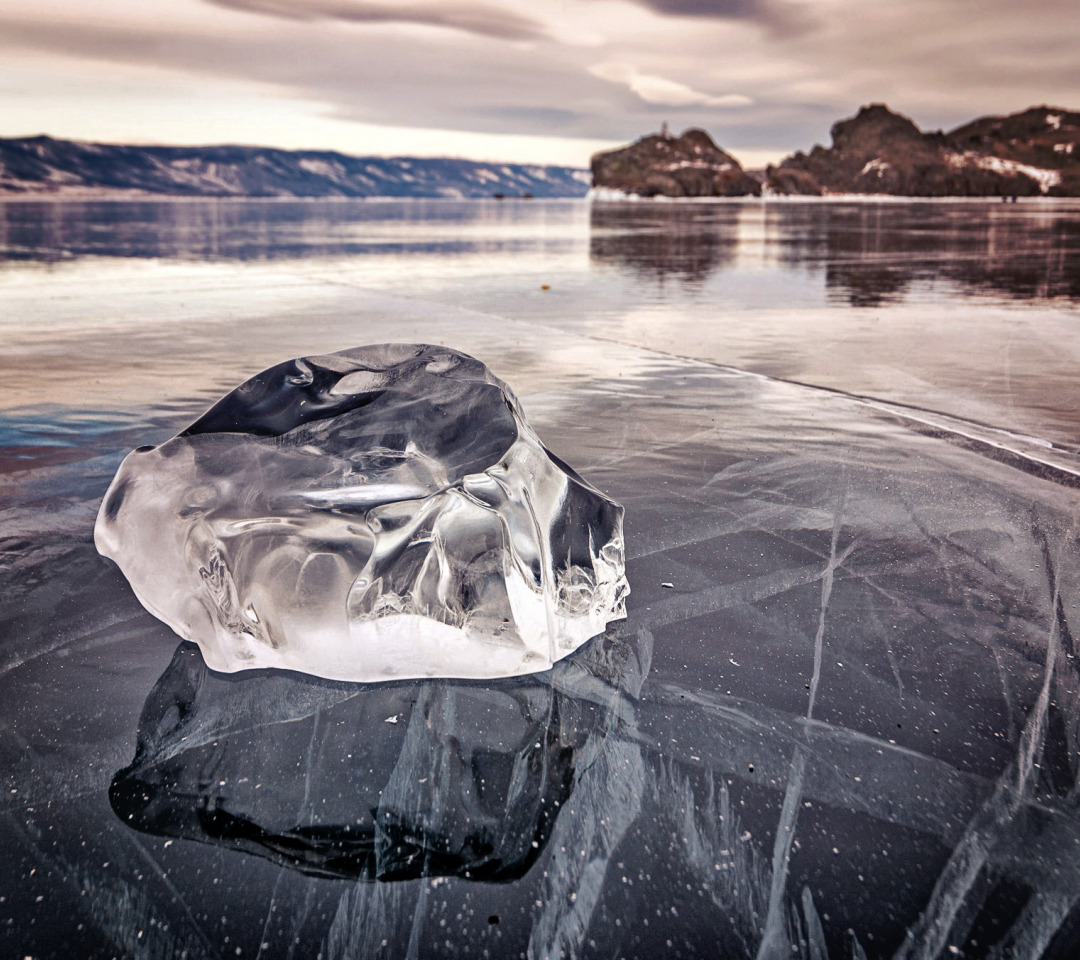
(841, 718)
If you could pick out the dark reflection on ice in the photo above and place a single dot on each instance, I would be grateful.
(657, 242)
(871, 253)
(875, 252)
(252, 230)
(424, 779)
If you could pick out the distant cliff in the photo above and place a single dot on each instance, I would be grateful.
(42, 165)
(1028, 154)
(1033, 153)
(664, 166)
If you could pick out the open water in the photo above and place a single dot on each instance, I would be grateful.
(841, 718)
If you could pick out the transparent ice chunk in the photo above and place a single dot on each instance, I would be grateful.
(380, 513)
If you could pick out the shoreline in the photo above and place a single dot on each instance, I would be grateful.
(605, 197)
(615, 197)
(96, 196)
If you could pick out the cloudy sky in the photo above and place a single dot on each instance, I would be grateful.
(542, 80)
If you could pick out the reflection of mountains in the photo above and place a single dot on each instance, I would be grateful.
(656, 242)
(875, 252)
(209, 230)
(871, 253)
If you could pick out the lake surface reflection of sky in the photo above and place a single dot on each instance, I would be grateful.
(964, 308)
(842, 716)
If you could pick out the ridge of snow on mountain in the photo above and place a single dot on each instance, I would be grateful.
(50, 167)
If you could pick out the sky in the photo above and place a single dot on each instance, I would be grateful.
(543, 81)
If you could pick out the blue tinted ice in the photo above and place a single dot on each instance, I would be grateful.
(380, 513)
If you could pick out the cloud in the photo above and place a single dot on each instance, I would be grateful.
(366, 64)
(382, 76)
(777, 15)
(660, 91)
(722, 9)
(481, 19)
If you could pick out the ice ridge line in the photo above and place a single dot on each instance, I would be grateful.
(949, 424)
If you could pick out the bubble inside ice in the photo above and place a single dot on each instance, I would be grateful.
(380, 513)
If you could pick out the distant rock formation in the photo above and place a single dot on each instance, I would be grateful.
(1041, 142)
(42, 165)
(665, 166)
(1033, 153)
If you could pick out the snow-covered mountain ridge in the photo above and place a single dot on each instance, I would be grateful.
(43, 165)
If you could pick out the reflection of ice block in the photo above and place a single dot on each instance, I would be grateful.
(467, 781)
(380, 513)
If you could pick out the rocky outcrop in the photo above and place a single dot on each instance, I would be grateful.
(665, 166)
(1041, 142)
(1033, 153)
(42, 165)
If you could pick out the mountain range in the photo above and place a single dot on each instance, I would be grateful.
(43, 165)
(1032, 153)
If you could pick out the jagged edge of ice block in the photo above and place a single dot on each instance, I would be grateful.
(158, 509)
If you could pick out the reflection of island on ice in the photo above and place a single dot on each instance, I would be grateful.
(870, 254)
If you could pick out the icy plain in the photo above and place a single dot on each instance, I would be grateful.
(841, 718)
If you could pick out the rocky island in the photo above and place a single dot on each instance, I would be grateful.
(1027, 154)
(661, 165)
(876, 152)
